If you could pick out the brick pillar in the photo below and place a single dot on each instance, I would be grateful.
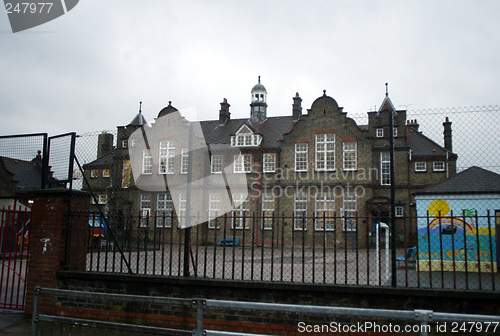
(48, 226)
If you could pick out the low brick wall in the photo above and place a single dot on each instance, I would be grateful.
(248, 321)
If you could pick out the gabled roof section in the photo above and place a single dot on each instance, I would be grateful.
(387, 105)
(104, 161)
(423, 146)
(245, 129)
(474, 180)
(28, 174)
(272, 130)
(138, 120)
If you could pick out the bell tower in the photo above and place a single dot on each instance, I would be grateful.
(258, 105)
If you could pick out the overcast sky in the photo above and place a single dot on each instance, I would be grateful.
(87, 70)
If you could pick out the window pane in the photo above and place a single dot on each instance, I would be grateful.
(325, 152)
(300, 211)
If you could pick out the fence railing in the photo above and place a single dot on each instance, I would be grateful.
(14, 254)
(428, 255)
(416, 321)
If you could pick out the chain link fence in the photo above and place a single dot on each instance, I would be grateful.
(305, 198)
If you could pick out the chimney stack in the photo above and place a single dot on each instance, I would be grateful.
(224, 114)
(297, 107)
(447, 135)
(104, 144)
(412, 124)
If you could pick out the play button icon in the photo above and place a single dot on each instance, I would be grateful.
(25, 15)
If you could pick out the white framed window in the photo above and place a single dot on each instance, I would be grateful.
(164, 209)
(269, 162)
(244, 137)
(325, 152)
(300, 211)
(242, 163)
(126, 174)
(420, 166)
(350, 157)
(182, 209)
(301, 156)
(385, 168)
(241, 211)
(438, 166)
(167, 157)
(134, 142)
(145, 207)
(147, 162)
(324, 212)
(124, 143)
(100, 199)
(395, 132)
(94, 173)
(267, 210)
(213, 210)
(106, 173)
(379, 132)
(350, 206)
(216, 164)
(399, 211)
(184, 160)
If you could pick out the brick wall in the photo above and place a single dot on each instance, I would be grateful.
(49, 220)
(248, 321)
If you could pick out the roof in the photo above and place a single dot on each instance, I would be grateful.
(104, 161)
(259, 87)
(474, 180)
(272, 130)
(28, 174)
(138, 120)
(423, 146)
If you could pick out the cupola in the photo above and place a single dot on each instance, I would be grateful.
(258, 105)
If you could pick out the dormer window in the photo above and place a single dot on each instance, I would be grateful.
(245, 137)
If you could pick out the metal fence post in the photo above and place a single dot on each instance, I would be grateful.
(34, 320)
(423, 316)
(200, 305)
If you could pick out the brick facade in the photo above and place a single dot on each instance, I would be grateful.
(343, 166)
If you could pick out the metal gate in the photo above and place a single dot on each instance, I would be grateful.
(14, 255)
(22, 172)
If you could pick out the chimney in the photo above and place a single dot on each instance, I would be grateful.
(297, 108)
(412, 124)
(224, 114)
(104, 144)
(447, 135)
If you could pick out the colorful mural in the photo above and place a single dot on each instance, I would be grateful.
(455, 238)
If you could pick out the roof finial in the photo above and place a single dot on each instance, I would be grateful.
(140, 107)
(259, 79)
(324, 93)
(387, 89)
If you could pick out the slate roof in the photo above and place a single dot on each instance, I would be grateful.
(138, 120)
(104, 161)
(423, 146)
(474, 180)
(272, 130)
(28, 174)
